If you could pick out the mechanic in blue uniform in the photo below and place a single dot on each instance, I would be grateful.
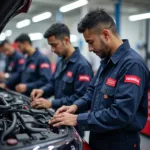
(117, 96)
(72, 76)
(73, 72)
(14, 65)
(37, 70)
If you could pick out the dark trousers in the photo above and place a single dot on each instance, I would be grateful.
(81, 132)
(119, 140)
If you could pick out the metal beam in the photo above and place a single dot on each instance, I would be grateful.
(118, 14)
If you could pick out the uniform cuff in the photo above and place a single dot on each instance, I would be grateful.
(81, 107)
(7, 83)
(29, 86)
(82, 121)
(56, 103)
(46, 92)
(44, 89)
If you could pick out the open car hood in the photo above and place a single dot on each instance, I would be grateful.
(11, 8)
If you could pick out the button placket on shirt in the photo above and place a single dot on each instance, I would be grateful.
(98, 97)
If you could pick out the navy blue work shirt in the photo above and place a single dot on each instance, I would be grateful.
(14, 66)
(117, 95)
(70, 81)
(37, 72)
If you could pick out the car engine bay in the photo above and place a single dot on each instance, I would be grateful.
(21, 125)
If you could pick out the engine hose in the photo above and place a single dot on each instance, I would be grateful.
(40, 115)
(28, 127)
(5, 106)
(3, 100)
(10, 129)
(35, 130)
(16, 110)
(2, 136)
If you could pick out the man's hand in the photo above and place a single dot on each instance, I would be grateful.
(69, 109)
(3, 85)
(21, 88)
(64, 119)
(36, 93)
(2, 76)
(41, 103)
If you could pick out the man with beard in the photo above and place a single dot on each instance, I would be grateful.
(37, 67)
(117, 96)
(14, 65)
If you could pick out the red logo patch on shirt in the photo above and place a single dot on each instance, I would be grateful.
(111, 82)
(44, 65)
(32, 66)
(134, 145)
(69, 74)
(132, 79)
(84, 78)
(21, 61)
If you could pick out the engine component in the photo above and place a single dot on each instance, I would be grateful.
(21, 125)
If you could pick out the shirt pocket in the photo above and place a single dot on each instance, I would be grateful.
(107, 96)
(67, 85)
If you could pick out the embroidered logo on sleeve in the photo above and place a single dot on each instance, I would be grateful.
(21, 61)
(32, 66)
(44, 65)
(69, 74)
(111, 82)
(84, 78)
(132, 79)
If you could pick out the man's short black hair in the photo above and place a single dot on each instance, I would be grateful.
(23, 38)
(59, 30)
(4, 42)
(97, 17)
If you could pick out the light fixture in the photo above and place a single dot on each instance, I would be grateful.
(23, 23)
(36, 36)
(42, 16)
(8, 32)
(73, 5)
(36, 148)
(73, 38)
(139, 17)
(51, 147)
(2, 36)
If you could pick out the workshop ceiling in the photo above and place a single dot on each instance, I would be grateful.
(129, 7)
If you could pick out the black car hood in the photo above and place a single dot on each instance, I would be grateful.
(10, 8)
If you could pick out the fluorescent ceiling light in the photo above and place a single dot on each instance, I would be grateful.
(8, 33)
(36, 148)
(50, 147)
(2, 36)
(73, 38)
(36, 36)
(139, 17)
(23, 23)
(42, 16)
(73, 5)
